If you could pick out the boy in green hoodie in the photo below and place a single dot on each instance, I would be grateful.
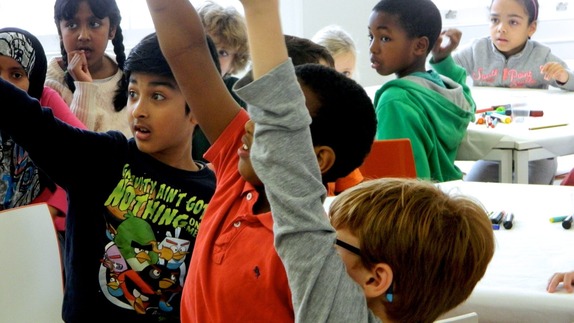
(432, 110)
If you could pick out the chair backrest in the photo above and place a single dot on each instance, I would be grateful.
(390, 158)
(31, 287)
(464, 318)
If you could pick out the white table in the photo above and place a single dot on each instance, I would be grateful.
(514, 143)
(514, 286)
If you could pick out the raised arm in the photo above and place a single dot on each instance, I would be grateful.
(182, 41)
(266, 41)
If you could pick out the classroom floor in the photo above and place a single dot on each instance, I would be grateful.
(565, 164)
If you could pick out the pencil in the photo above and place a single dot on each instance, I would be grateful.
(548, 126)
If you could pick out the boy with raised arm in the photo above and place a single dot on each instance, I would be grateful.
(236, 273)
(134, 204)
(406, 251)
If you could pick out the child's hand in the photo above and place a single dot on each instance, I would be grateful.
(78, 66)
(443, 47)
(553, 70)
(566, 278)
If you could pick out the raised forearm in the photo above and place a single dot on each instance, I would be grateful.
(266, 41)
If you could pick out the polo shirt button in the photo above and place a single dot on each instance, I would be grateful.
(249, 196)
(237, 224)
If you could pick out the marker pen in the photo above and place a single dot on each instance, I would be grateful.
(508, 220)
(531, 113)
(501, 117)
(496, 219)
(567, 223)
(496, 227)
(558, 219)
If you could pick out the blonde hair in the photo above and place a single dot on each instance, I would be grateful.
(336, 40)
(227, 25)
(437, 245)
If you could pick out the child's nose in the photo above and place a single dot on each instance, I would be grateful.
(84, 33)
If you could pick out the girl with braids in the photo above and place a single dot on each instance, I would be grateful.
(85, 76)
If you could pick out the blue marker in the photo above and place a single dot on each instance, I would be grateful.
(496, 227)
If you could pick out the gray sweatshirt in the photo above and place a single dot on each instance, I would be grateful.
(488, 67)
(283, 158)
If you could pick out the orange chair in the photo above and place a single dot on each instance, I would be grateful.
(390, 158)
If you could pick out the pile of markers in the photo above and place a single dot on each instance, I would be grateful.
(493, 115)
(566, 221)
(502, 217)
(501, 113)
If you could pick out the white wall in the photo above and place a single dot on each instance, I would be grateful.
(305, 17)
(555, 27)
(352, 16)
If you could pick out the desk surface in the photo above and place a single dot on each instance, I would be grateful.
(558, 109)
(515, 143)
(514, 286)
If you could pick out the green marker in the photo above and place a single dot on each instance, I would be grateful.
(558, 219)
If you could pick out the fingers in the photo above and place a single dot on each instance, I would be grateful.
(567, 280)
(78, 66)
(553, 282)
(554, 71)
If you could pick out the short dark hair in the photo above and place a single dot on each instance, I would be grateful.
(146, 57)
(303, 51)
(344, 120)
(419, 18)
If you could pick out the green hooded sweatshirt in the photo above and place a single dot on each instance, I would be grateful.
(433, 111)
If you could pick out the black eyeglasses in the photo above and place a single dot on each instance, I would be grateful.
(349, 247)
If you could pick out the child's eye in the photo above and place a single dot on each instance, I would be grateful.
(494, 20)
(222, 53)
(71, 25)
(95, 24)
(132, 94)
(158, 97)
(385, 39)
(18, 75)
(370, 37)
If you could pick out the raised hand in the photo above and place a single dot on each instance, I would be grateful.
(447, 42)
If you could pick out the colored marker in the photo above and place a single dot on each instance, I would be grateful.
(496, 219)
(508, 220)
(496, 227)
(558, 219)
(531, 113)
(501, 117)
(567, 223)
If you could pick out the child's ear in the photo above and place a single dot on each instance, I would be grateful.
(421, 46)
(379, 280)
(325, 157)
(112, 33)
(532, 28)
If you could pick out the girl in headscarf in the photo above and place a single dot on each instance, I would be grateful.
(23, 63)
